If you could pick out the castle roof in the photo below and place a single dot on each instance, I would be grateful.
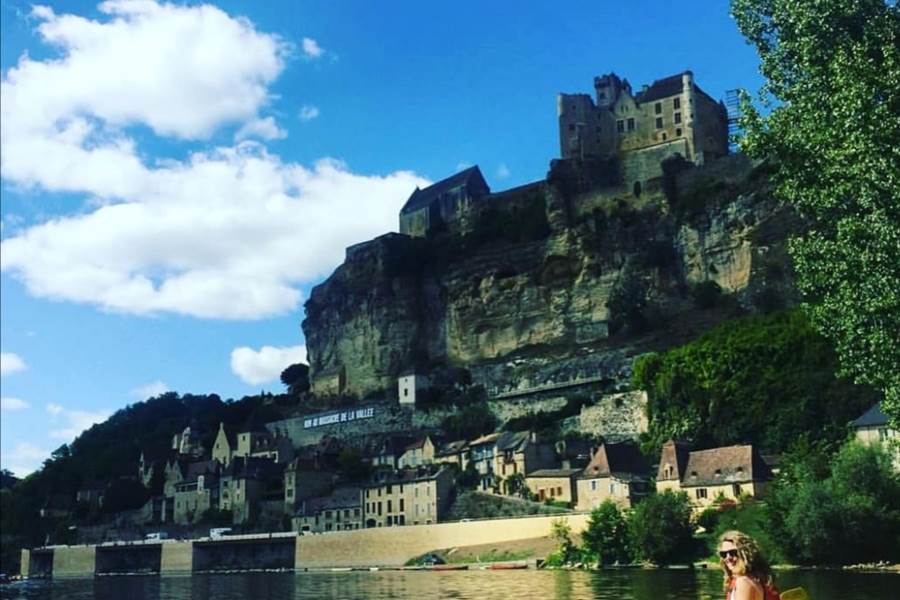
(874, 417)
(665, 87)
(469, 178)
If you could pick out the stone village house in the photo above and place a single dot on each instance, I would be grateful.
(617, 472)
(707, 475)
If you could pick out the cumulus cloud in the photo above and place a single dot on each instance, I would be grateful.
(9, 404)
(73, 422)
(151, 390)
(228, 232)
(311, 48)
(266, 364)
(11, 363)
(308, 112)
(24, 459)
(265, 129)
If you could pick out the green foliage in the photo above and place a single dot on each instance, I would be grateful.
(732, 384)
(476, 505)
(351, 465)
(515, 486)
(628, 301)
(566, 550)
(124, 494)
(851, 516)
(706, 294)
(469, 423)
(216, 517)
(660, 528)
(296, 378)
(606, 536)
(833, 70)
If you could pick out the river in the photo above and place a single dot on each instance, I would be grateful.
(483, 585)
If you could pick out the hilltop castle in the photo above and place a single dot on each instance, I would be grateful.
(625, 135)
(670, 116)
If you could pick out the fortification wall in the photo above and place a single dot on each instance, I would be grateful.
(393, 546)
(177, 557)
(74, 561)
(643, 165)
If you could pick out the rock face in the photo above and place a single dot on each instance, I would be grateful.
(526, 300)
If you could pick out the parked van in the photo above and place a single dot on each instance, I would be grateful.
(218, 532)
(158, 536)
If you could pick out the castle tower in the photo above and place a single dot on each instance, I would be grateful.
(688, 106)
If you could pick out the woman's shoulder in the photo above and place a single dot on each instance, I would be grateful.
(744, 582)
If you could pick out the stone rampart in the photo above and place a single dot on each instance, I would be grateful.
(177, 556)
(393, 546)
(74, 561)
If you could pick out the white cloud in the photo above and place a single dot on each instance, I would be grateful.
(24, 459)
(308, 112)
(8, 404)
(265, 129)
(503, 171)
(11, 363)
(151, 390)
(75, 421)
(311, 48)
(266, 364)
(229, 232)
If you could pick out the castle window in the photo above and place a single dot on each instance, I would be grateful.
(678, 117)
(620, 126)
(664, 137)
(676, 103)
(571, 126)
(659, 123)
(678, 132)
(630, 124)
(658, 108)
(636, 190)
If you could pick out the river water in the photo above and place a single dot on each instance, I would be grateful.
(482, 585)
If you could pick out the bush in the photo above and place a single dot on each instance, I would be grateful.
(660, 528)
(606, 536)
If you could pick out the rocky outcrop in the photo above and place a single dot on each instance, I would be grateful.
(525, 306)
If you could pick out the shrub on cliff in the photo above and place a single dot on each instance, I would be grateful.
(762, 379)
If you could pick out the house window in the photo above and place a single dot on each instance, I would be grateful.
(389, 506)
(593, 486)
(406, 390)
(678, 132)
(620, 126)
(630, 124)
(612, 488)
(658, 108)
(736, 490)
(659, 123)
(883, 434)
(701, 493)
(559, 491)
(401, 504)
(678, 117)
(676, 103)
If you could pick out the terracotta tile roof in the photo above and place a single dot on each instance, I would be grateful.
(452, 448)
(730, 464)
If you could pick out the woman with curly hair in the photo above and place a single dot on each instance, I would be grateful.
(747, 573)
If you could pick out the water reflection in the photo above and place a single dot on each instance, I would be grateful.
(460, 585)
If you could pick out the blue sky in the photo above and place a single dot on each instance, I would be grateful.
(176, 177)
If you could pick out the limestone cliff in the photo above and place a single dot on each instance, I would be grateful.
(524, 299)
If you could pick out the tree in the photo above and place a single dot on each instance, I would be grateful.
(660, 527)
(606, 536)
(296, 378)
(833, 86)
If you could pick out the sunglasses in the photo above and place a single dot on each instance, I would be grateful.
(733, 553)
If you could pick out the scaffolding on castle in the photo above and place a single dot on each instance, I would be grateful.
(733, 108)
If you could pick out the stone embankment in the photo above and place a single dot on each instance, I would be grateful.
(381, 547)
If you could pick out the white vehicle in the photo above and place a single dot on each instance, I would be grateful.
(218, 532)
(158, 536)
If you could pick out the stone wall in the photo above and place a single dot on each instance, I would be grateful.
(616, 416)
(393, 546)
(177, 556)
(73, 561)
